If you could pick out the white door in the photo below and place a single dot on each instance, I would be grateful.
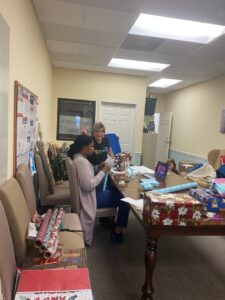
(163, 140)
(119, 119)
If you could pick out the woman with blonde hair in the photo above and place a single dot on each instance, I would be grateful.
(102, 146)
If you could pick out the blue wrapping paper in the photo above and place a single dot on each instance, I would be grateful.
(177, 188)
(146, 186)
(151, 181)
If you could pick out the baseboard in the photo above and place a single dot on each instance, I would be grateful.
(178, 155)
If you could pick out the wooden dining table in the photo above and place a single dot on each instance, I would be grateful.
(133, 190)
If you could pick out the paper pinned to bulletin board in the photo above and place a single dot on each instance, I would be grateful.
(26, 125)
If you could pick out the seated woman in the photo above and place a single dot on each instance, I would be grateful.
(102, 146)
(88, 181)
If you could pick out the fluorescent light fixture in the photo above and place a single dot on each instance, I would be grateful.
(137, 65)
(176, 29)
(165, 83)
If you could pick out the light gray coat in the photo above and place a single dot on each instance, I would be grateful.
(87, 183)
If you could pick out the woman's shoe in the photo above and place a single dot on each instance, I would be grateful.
(117, 237)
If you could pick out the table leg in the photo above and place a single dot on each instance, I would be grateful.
(150, 262)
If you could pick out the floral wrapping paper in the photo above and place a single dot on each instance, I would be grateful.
(173, 209)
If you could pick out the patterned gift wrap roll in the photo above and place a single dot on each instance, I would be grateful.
(173, 209)
(54, 238)
(42, 231)
(49, 230)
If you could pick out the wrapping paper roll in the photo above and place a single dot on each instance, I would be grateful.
(177, 188)
(54, 237)
(105, 181)
(49, 230)
(42, 231)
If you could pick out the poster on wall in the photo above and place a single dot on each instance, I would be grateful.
(4, 98)
(26, 124)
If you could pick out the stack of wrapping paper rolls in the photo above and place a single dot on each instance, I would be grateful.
(48, 235)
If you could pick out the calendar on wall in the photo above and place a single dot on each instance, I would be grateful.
(26, 124)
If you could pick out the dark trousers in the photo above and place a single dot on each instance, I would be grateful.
(111, 198)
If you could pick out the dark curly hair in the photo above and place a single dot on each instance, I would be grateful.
(78, 144)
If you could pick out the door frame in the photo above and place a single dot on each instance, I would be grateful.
(102, 102)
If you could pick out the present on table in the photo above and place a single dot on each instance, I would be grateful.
(173, 209)
(120, 161)
(213, 203)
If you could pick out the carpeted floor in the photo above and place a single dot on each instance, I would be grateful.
(188, 268)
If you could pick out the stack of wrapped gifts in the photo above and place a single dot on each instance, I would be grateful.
(173, 209)
(213, 203)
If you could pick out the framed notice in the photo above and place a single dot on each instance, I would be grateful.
(26, 124)
(72, 115)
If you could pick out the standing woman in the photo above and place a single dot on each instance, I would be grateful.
(101, 145)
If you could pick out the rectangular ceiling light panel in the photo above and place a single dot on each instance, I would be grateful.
(176, 29)
(164, 83)
(137, 65)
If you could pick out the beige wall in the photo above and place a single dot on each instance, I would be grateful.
(196, 117)
(98, 86)
(29, 63)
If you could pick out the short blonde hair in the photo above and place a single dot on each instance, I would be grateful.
(99, 126)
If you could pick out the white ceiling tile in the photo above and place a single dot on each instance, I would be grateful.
(126, 5)
(64, 47)
(81, 35)
(177, 47)
(67, 57)
(214, 50)
(109, 20)
(90, 50)
(52, 11)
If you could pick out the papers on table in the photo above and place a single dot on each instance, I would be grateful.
(139, 204)
(141, 170)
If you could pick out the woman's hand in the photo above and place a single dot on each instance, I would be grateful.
(106, 168)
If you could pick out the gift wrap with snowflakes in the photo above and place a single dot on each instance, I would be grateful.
(173, 209)
(212, 203)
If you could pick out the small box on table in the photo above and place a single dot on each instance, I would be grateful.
(212, 203)
(173, 209)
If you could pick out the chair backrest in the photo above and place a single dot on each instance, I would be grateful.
(214, 157)
(73, 184)
(7, 258)
(42, 179)
(18, 216)
(24, 177)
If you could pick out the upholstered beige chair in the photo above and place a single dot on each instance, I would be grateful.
(70, 220)
(7, 258)
(60, 194)
(18, 217)
(75, 196)
(214, 157)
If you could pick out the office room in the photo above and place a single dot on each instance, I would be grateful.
(112, 142)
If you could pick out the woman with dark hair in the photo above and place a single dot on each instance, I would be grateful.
(79, 151)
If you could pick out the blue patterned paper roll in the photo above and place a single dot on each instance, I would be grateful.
(177, 188)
